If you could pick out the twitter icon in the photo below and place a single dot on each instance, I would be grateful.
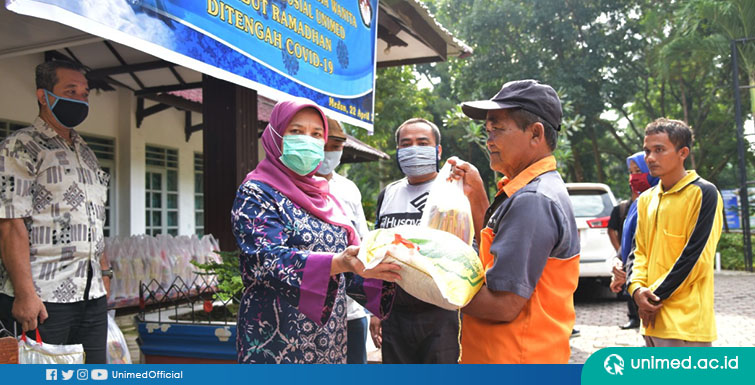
(67, 374)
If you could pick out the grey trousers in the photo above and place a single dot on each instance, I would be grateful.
(658, 342)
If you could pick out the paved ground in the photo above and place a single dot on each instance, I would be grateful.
(598, 319)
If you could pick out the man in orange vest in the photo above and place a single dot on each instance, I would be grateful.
(529, 246)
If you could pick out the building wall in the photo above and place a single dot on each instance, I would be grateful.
(113, 115)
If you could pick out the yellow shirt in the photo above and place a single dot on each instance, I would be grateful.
(677, 234)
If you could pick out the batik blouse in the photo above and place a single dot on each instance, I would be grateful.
(292, 309)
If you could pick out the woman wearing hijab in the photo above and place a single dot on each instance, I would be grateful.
(296, 263)
(639, 181)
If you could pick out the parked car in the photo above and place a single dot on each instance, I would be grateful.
(592, 203)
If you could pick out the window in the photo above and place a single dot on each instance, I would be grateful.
(7, 127)
(199, 194)
(161, 189)
(104, 149)
(590, 203)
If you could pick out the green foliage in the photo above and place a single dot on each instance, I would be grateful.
(617, 65)
(230, 285)
(574, 46)
(731, 247)
(721, 22)
(681, 75)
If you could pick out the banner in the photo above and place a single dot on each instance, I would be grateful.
(618, 366)
(731, 207)
(203, 374)
(323, 50)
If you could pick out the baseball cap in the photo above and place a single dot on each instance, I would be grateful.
(335, 130)
(529, 95)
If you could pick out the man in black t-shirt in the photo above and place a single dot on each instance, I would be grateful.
(415, 332)
(616, 223)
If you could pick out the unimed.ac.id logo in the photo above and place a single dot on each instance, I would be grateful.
(614, 364)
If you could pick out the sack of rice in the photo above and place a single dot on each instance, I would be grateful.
(435, 267)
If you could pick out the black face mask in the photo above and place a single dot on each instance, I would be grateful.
(68, 112)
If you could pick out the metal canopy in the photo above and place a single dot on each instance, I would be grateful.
(407, 34)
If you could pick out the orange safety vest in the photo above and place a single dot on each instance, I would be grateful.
(540, 333)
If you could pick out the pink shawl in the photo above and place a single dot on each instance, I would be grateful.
(308, 192)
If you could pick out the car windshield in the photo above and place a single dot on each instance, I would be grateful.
(590, 203)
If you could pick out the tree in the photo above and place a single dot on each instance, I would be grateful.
(721, 22)
(679, 75)
(573, 46)
(397, 98)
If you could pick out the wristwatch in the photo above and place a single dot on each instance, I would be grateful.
(108, 273)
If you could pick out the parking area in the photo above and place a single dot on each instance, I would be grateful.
(598, 319)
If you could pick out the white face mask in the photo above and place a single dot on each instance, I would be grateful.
(331, 161)
(418, 160)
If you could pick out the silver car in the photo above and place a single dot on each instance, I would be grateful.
(592, 203)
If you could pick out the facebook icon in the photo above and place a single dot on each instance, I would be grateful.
(51, 375)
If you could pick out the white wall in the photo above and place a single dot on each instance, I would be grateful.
(18, 101)
(112, 114)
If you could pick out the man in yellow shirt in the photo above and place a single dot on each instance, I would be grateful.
(678, 227)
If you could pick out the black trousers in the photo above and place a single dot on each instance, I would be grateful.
(356, 337)
(83, 322)
(424, 337)
(632, 311)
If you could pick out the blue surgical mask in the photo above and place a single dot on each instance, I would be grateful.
(301, 153)
(68, 112)
(418, 160)
(330, 162)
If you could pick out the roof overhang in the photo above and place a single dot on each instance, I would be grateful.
(407, 34)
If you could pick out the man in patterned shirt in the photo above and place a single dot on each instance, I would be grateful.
(52, 211)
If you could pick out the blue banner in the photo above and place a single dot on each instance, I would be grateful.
(323, 50)
(731, 208)
(285, 374)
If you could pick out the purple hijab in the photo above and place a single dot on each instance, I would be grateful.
(308, 192)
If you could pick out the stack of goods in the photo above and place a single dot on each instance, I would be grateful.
(162, 258)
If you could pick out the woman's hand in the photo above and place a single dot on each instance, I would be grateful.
(347, 262)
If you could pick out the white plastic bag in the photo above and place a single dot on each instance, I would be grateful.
(36, 352)
(447, 207)
(117, 348)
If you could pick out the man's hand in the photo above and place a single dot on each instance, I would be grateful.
(616, 285)
(376, 332)
(474, 189)
(27, 310)
(106, 282)
(618, 279)
(648, 305)
(468, 174)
